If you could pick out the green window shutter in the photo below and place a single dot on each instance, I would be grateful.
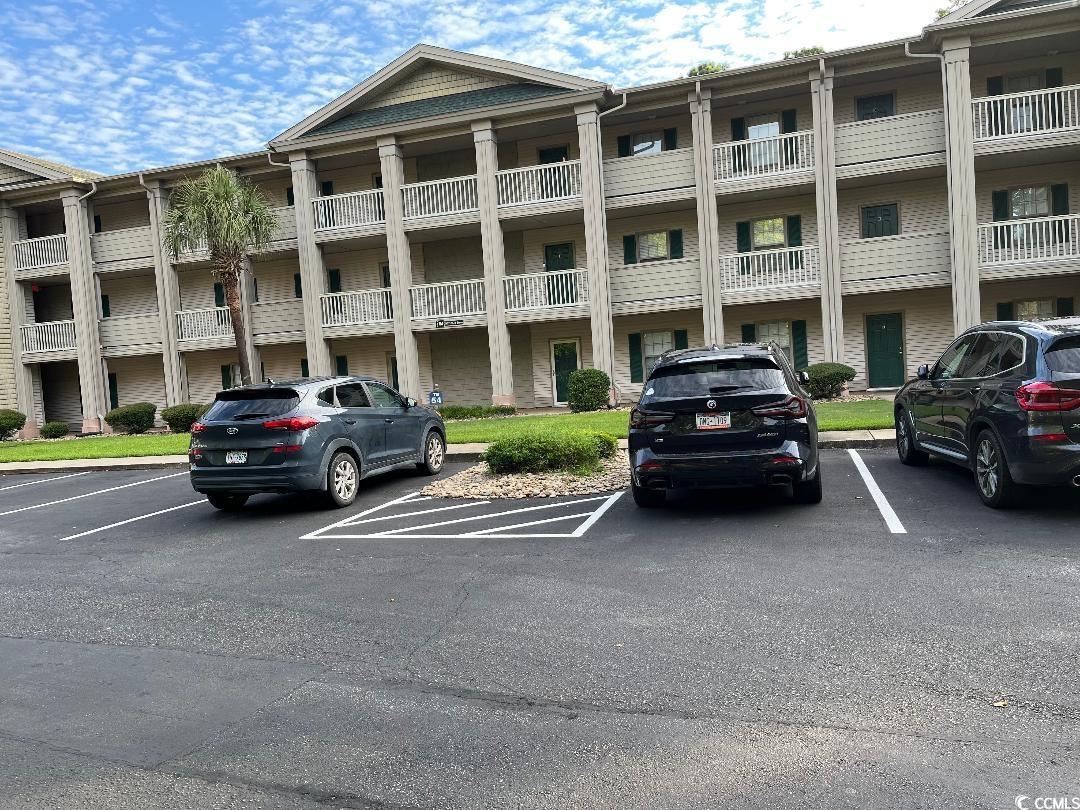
(1005, 311)
(226, 377)
(1065, 308)
(675, 249)
(254, 289)
(341, 362)
(681, 339)
(637, 367)
(114, 392)
(1000, 205)
(304, 367)
(326, 187)
(629, 249)
(738, 129)
(742, 236)
(1054, 77)
(624, 142)
(298, 286)
(798, 345)
(794, 231)
(97, 223)
(789, 121)
(1059, 199)
(995, 85)
(262, 371)
(671, 138)
(333, 281)
(290, 199)
(749, 333)
(219, 295)
(106, 310)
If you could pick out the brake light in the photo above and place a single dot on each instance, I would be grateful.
(293, 423)
(790, 408)
(640, 419)
(198, 427)
(288, 448)
(1044, 396)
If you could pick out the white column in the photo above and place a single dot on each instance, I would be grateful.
(312, 270)
(400, 260)
(832, 303)
(168, 297)
(712, 310)
(24, 376)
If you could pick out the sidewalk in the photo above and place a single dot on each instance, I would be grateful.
(455, 452)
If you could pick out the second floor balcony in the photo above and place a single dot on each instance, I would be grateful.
(43, 251)
(764, 157)
(1022, 115)
(448, 299)
(354, 210)
(535, 292)
(770, 270)
(122, 245)
(434, 198)
(48, 337)
(1024, 243)
(212, 324)
(357, 308)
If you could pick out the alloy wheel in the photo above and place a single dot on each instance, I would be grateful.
(902, 436)
(344, 479)
(987, 468)
(435, 452)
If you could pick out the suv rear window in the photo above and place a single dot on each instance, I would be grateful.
(253, 404)
(1063, 356)
(714, 377)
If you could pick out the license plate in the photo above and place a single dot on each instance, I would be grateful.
(712, 421)
(236, 457)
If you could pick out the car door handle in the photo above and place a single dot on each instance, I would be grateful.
(349, 421)
(389, 421)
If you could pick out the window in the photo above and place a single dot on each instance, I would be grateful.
(879, 106)
(97, 223)
(1063, 356)
(333, 280)
(219, 295)
(290, 199)
(352, 395)
(692, 380)
(376, 181)
(325, 397)
(1012, 352)
(106, 310)
(647, 143)
(384, 274)
(341, 365)
(652, 246)
(1029, 201)
(326, 188)
(778, 332)
(980, 361)
(767, 154)
(767, 233)
(552, 154)
(947, 366)
(1023, 82)
(248, 403)
(1034, 309)
(304, 368)
(254, 289)
(654, 344)
(298, 286)
(880, 220)
(230, 376)
(383, 397)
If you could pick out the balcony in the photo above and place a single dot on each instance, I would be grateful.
(669, 175)
(357, 308)
(277, 321)
(204, 324)
(794, 270)
(436, 198)
(51, 336)
(355, 210)
(894, 142)
(908, 260)
(1022, 115)
(130, 334)
(449, 299)
(127, 245)
(286, 224)
(773, 157)
(547, 294)
(551, 182)
(1009, 249)
(44, 251)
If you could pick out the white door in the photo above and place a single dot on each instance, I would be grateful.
(565, 357)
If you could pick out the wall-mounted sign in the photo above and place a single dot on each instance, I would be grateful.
(435, 398)
(442, 324)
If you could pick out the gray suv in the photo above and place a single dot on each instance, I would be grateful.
(321, 435)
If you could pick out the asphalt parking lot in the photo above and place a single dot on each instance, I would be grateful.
(728, 650)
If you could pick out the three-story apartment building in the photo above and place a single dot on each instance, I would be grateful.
(481, 228)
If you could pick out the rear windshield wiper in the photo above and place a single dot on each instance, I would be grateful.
(240, 416)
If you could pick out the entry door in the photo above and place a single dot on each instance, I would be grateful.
(553, 154)
(885, 350)
(564, 359)
(561, 289)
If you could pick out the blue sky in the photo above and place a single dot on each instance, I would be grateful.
(120, 85)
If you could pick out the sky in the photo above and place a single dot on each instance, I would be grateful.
(120, 85)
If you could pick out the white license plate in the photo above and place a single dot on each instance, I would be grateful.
(236, 457)
(712, 421)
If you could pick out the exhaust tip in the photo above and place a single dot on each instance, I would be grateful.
(780, 479)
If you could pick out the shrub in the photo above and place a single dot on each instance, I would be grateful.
(588, 390)
(135, 418)
(180, 418)
(10, 422)
(475, 411)
(533, 452)
(827, 379)
(54, 430)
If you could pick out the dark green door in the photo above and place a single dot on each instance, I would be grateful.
(564, 359)
(561, 289)
(885, 350)
(880, 220)
(553, 154)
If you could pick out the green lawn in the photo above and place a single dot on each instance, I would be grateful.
(96, 447)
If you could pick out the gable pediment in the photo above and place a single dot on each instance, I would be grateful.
(16, 168)
(988, 8)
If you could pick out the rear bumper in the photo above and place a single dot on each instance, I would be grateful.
(791, 462)
(1048, 465)
(280, 478)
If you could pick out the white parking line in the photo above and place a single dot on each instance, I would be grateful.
(130, 520)
(43, 480)
(497, 514)
(414, 514)
(891, 520)
(90, 494)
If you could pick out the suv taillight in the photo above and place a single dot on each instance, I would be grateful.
(1044, 396)
(198, 427)
(293, 423)
(640, 419)
(790, 408)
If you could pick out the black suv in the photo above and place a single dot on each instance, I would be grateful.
(731, 416)
(313, 434)
(1004, 399)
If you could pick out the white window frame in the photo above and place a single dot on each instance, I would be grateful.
(639, 240)
(1043, 187)
(1051, 309)
(784, 327)
(654, 145)
(646, 357)
(772, 246)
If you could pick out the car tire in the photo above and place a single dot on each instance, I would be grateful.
(342, 479)
(227, 501)
(434, 453)
(905, 442)
(992, 479)
(648, 498)
(808, 491)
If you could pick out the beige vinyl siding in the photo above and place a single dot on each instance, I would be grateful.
(665, 221)
(129, 243)
(458, 163)
(347, 179)
(656, 279)
(911, 95)
(60, 393)
(204, 372)
(38, 414)
(987, 182)
(8, 397)
(918, 133)
(526, 151)
(728, 215)
(533, 242)
(117, 216)
(276, 279)
(274, 188)
(432, 81)
(139, 379)
(623, 327)
(521, 361)
(197, 289)
(462, 368)
(514, 252)
(722, 113)
(808, 310)
(645, 173)
(928, 327)
(10, 175)
(368, 357)
(1069, 62)
(130, 295)
(923, 206)
(281, 361)
(1025, 289)
(542, 334)
(610, 132)
(359, 268)
(451, 259)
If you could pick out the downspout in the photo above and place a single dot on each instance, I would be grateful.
(614, 391)
(270, 160)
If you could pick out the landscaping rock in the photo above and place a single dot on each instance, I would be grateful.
(478, 482)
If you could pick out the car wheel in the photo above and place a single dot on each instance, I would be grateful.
(808, 491)
(227, 501)
(905, 442)
(992, 479)
(434, 453)
(648, 498)
(342, 479)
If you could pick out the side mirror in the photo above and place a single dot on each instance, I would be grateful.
(804, 378)
(924, 372)
(410, 402)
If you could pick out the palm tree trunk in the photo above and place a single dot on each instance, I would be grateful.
(230, 281)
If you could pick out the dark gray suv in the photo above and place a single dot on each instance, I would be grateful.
(313, 434)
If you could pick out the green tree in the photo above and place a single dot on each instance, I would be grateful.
(707, 67)
(799, 53)
(949, 9)
(227, 216)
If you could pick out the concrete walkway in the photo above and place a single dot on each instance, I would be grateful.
(455, 452)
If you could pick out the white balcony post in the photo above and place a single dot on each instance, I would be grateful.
(168, 297)
(312, 270)
(832, 302)
(712, 307)
(24, 378)
(400, 260)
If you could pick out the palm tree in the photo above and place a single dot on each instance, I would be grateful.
(227, 216)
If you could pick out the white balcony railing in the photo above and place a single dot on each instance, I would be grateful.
(562, 288)
(765, 269)
(448, 299)
(349, 210)
(357, 307)
(761, 157)
(1030, 240)
(1008, 116)
(50, 336)
(532, 184)
(436, 197)
(44, 251)
(200, 324)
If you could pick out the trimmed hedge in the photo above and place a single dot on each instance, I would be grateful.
(588, 390)
(54, 430)
(534, 452)
(827, 379)
(135, 418)
(474, 411)
(180, 418)
(10, 423)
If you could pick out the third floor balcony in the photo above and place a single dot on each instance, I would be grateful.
(1022, 247)
(778, 159)
(1014, 120)
(42, 252)
(764, 274)
(545, 184)
(453, 200)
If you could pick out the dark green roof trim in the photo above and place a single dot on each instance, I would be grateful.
(439, 105)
